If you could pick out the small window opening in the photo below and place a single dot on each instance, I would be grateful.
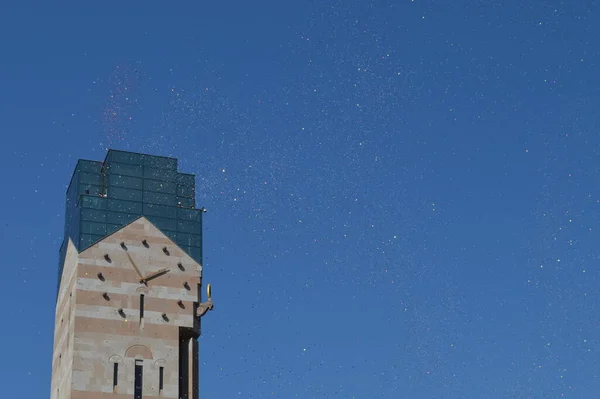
(141, 306)
(115, 375)
(161, 378)
(138, 380)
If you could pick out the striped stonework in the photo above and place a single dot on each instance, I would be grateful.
(127, 314)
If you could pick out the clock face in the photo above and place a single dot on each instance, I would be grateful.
(142, 261)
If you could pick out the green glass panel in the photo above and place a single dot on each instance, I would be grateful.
(119, 218)
(86, 240)
(172, 235)
(160, 162)
(159, 198)
(189, 227)
(125, 206)
(185, 248)
(163, 223)
(89, 166)
(93, 228)
(88, 201)
(89, 189)
(115, 180)
(127, 170)
(111, 228)
(186, 179)
(183, 239)
(160, 186)
(160, 210)
(194, 215)
(89, 178)
(186, 202)
(125, 194)
(93, 215)
(188, 239)
(186, 191)
(196, 253)
(196, 240)
(159, 174)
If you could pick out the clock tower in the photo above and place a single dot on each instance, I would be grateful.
(129, 300)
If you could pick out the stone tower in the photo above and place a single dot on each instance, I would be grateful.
(129, 299)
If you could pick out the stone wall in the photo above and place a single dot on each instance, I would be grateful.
(105, 320)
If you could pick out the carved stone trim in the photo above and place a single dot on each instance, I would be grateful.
(139, 352)
(204, 307)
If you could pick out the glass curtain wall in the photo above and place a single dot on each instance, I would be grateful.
(105, 196)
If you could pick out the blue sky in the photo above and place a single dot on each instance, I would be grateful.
(403, 195)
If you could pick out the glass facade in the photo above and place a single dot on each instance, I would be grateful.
(105, 196)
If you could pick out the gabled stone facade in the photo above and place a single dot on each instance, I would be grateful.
(128, 313)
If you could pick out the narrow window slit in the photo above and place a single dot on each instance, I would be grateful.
(138, 380)
(161, 380)
(115, 375)
(141, 306)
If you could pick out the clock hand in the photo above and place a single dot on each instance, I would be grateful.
(136, 268)
(156, 274)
